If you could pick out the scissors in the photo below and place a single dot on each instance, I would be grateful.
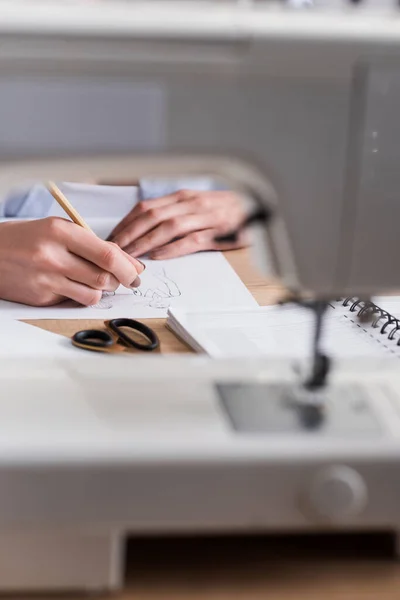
(103, 341)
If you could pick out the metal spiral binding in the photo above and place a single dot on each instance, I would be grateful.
(380, 318)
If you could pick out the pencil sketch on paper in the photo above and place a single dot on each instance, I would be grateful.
(156, 291)
(157, 294)
(106, 301)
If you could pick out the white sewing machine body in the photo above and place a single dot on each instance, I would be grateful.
(90, 455)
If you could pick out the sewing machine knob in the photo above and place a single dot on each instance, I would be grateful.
(337, 493)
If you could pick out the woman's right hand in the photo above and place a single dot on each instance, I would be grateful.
(45, 261)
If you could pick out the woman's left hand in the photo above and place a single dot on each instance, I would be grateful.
(181, 223)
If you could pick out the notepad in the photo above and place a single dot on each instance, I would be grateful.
(286, 331)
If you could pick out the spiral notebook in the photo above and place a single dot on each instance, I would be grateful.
(286, 331)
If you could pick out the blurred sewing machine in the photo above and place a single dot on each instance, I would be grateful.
(297, 110)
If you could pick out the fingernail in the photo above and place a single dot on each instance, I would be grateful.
(142, 263)
(136, 283)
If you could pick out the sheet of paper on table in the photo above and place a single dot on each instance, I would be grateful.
(201, 281)
(98, 203)
(21, 340)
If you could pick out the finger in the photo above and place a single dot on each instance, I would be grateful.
(149, 220)
(78, 292)
(145, 205)
(168, 231)
(105, 255)
(198, 241)
(81, 271)
(193, 242)
(137, 283)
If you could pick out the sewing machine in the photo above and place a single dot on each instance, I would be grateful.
(295, 109)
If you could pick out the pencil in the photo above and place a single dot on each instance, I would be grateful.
(66, 205)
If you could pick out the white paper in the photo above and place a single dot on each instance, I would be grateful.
(19, 340)
(102, 206)
(97, 202)
(200, 281)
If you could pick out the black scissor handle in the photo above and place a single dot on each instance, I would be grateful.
(116, 326)
(93, 339)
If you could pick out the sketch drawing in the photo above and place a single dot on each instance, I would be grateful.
(105, 302)
(159, 292)
(156, 291)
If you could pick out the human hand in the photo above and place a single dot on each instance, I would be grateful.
(45, 261)
(181, 223)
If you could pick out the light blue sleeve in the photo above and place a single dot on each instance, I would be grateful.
(13, 204)
(154, 188)
(34, 203)
(37, 202)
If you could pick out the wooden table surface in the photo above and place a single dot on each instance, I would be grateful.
(353, 567)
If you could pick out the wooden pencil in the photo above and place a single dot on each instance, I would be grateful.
(66, 205)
